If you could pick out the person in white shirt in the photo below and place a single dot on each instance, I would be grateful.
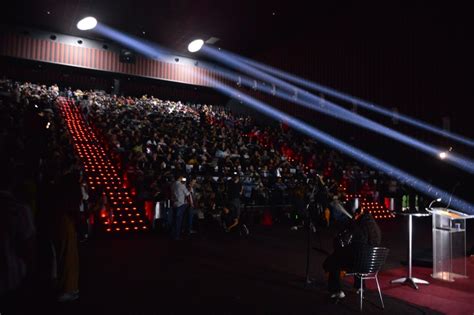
(179, 196)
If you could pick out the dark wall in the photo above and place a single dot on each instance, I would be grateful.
(242, 109)
(413, 59)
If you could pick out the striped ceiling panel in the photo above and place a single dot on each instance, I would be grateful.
(27, 47)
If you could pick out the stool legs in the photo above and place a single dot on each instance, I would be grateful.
(380, 292)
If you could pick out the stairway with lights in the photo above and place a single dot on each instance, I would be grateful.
(122, 214)
(375, 208)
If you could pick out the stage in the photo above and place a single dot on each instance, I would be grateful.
(447, 297)
(264, 274)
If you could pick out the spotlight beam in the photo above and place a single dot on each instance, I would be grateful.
(401, 176)
(336, 111)
(357, 101)
(456, 160)
(347, 149)
(154, 51)
(149, 50)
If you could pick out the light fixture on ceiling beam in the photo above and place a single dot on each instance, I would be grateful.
(87, 23)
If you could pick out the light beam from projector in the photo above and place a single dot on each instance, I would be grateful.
(354, 100)
(359, 155)
(334, 110)
(154, 51)
(323, 106)
(139, 45)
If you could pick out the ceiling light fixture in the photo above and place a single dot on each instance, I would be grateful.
(87, 23)
(195, 45)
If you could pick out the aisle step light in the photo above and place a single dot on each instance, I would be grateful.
(95, 161)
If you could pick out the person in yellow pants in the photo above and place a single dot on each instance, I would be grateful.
(67, 258)
(64, 237)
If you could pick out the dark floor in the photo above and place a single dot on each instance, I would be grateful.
(264, 274)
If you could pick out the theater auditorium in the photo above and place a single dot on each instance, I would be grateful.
(236, 157)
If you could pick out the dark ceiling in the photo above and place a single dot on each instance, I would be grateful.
(248, 26)
(415, 54)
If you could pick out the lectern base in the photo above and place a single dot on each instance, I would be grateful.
(447, 276)
(410, 281)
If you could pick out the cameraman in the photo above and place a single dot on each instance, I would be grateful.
(234, 191)
(362, 230)
(322, 196)
(321, 199)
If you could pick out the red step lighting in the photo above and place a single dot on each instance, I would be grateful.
(98, 168)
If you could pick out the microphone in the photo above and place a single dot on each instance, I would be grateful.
(452, 192)
(436, 200)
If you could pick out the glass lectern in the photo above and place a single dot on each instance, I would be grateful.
(449, 243)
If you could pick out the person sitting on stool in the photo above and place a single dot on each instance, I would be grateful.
(362, 230)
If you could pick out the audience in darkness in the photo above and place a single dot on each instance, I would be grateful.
(228, 162)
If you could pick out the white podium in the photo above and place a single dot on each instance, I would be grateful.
(449, 243)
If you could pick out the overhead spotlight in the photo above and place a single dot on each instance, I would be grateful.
(87, 23)
(443, 155)
(195, 45)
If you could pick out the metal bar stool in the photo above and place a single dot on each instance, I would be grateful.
(367, 264)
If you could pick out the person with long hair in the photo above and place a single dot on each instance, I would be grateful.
(362, 230)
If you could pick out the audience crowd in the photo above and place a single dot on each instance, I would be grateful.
(40, 195)
(156, 140)
(224, 161)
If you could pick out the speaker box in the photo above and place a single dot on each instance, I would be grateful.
(127, 56)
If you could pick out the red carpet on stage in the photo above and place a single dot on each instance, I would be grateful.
(448, 297)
